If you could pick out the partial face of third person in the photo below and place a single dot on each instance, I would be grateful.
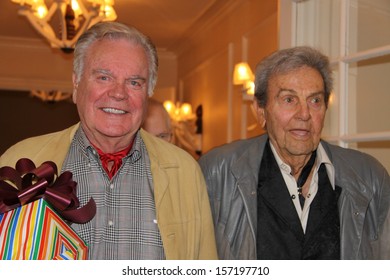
(295, 112)
(112, 91)
(158, 123)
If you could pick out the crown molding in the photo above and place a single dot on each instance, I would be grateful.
(38, 44)
(214, 15)
(39, 48)
(22, 84)
(165, 54)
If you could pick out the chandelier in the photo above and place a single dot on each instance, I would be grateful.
(187, 126)
(70, 18)
(51, 96)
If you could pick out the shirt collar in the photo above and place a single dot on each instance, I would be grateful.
(83, 142)
(322, 157)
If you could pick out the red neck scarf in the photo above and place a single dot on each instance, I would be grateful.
(116, 158)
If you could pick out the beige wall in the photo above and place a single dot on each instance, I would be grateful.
(248, 32)
(32, 64)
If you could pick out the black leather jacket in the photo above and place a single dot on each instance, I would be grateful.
(231, 173)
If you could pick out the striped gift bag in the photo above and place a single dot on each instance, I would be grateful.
(36, 232)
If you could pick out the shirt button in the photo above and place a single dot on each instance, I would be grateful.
(293, 196)
(111, 186)
(110, 223)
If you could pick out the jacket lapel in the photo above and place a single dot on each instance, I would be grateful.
(245, 171)
(354, 200)
(274, 193)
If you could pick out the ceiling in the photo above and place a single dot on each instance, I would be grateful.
(167, 22)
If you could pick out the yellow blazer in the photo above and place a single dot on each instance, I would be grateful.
(182, 204)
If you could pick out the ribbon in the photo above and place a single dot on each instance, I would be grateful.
(26, 183)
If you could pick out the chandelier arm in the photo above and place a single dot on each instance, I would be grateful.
(89, 21)
(53, 8)
(95, 19)
(84, 10)
(42, 27)
(64, 32)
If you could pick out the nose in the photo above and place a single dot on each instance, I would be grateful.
(303, 112)
(118, 91)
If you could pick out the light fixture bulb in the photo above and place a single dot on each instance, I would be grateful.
(186, 110)
(40, 10)
(242, 73)
(170, 107)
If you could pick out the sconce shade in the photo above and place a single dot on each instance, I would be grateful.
(242, 73)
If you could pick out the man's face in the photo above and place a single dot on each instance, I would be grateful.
(158, 123)
(295, 112)
(112, 91)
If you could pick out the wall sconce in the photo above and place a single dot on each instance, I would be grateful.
(243, 75)
(187, 126)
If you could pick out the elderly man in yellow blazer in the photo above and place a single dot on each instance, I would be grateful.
(150, 195)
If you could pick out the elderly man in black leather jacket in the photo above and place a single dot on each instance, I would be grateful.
(288, 194)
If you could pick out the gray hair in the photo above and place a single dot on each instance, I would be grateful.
(287, 60)
(115, 31)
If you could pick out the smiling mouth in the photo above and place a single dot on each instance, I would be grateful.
(114, 111)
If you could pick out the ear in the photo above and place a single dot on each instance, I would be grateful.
(260, 113)
(75, 85)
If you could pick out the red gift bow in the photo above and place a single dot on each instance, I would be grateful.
(33, 183)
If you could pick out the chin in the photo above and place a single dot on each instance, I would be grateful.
(113, 131)
(301, 149)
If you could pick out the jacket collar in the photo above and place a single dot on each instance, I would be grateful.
(354, 200)
(249, 160)
(246, 171)
(346, 177)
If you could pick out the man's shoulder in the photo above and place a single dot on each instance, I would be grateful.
(235, 149)
(347, 158)
(36, 146)
(165, 152)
